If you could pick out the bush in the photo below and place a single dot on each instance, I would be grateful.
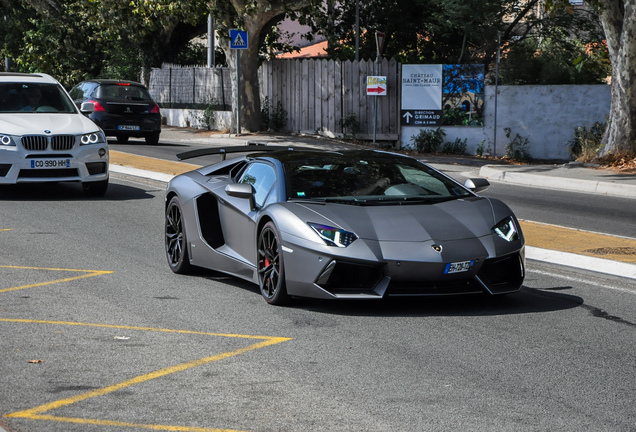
(350, 124)
(457, 147)
(586, 143)
(429, 140)
(517, 148)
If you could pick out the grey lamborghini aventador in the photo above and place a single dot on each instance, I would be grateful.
(359, 224)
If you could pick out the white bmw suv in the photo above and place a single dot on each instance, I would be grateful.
(45, 138)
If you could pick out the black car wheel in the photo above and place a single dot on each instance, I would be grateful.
(176, 248)
(97, 188)
(271, 275)
(152, 139)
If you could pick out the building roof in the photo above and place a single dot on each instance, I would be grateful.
(315, 50)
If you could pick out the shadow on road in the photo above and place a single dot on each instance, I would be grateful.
(69, 192)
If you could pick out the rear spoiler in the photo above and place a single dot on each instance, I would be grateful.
(251, 146)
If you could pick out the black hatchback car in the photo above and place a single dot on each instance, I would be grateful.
(123, 109)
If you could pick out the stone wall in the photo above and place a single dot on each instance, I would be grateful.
(546, 115)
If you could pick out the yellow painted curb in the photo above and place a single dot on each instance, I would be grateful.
(579, 242)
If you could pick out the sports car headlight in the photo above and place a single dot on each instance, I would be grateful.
(334, 236)
(6, 140)
(507, 229)
(93, 138)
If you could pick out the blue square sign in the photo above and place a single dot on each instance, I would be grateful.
(238, 39)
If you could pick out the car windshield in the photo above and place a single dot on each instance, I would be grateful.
(373, 178)
(122, 91)
(23, 97)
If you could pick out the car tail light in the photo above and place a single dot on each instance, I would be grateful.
(155, 109)
(98, 106)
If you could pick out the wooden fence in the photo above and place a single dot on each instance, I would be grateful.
(317, 95)
(194, 87)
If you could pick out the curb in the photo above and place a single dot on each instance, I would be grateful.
(568, 184)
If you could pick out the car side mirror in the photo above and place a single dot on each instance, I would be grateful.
(241, 190)
(477, 184)
(87, 107)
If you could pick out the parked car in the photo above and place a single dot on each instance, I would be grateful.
(123, 109)
(357, 224)
(44, 137)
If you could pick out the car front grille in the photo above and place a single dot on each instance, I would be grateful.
(62, 142)
(41, 142)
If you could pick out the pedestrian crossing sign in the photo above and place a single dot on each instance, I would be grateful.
(238, 39)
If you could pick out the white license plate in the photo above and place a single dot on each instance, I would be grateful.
(458, 267)
(128, 128)
(50, 163)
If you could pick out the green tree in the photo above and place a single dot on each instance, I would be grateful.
(258, 18)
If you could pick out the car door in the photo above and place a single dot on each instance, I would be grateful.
(238, 215)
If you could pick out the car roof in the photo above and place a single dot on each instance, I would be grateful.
(113, 81)
(26, 77)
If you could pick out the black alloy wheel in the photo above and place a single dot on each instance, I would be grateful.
(176, 248)
(271, 275)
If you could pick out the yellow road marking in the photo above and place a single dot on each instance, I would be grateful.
(579, 242)
(6, 229)
(37, 412)
(150, 164)
(87, 274)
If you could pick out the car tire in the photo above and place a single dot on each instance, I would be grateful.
(122, 139)
(97, 188)
(175, 239)
(152, 139)
(271, 270)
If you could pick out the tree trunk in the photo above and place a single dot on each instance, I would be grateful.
(618, 19)
(258, 17)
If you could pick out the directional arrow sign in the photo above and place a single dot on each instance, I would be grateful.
(407, 116)
(376, 86)
(378, 90)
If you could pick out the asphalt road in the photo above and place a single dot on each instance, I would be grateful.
(96, 334)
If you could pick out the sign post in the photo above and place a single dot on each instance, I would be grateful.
(376, 86)
(238, 41)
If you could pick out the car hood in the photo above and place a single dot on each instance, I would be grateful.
(38, 123)
(451, 220)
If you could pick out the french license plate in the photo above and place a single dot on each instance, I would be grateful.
(128, 127)
(458, 267)
(50, 163)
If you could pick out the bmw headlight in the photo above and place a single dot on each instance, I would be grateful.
(507, 229)
(6, 140)
(334, 236)
(93, 138)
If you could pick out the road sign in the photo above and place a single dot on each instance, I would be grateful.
(420, 118)
(379, 42)
(421, 95)
(376, 86)
(238, 39)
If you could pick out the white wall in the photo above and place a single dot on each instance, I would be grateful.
(546, 115)
(194, 118)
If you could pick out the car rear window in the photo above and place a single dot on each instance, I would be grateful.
(119, 91)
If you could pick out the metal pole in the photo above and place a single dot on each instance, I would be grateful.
(238, 92)
(496, 92)
(357, 30)
(210, 41)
